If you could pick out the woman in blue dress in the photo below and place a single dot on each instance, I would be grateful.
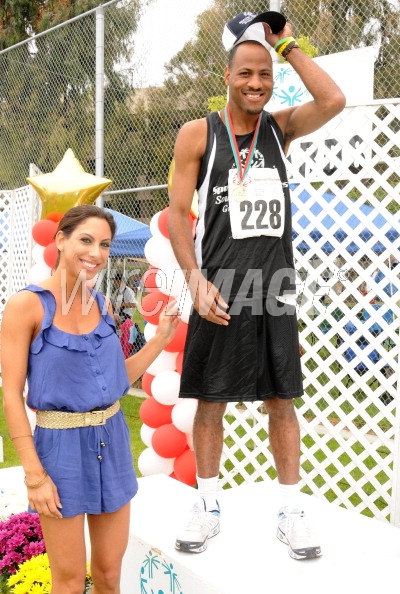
(60, 336)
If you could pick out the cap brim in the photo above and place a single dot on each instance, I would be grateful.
(274, 19)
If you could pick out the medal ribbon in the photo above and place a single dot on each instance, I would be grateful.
(242, 171)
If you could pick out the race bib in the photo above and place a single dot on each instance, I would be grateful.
(257, 204)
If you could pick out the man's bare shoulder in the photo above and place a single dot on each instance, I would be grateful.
(192, 137)
(195, 129)
(199, 125)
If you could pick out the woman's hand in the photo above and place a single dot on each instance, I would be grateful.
(45, 499)
(168, 321)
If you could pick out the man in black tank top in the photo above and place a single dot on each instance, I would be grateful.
(242, 342)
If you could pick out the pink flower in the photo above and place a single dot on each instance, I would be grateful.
(21, 538)
(32, 549)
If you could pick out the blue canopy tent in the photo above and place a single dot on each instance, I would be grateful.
(130, 238)
(360, 237)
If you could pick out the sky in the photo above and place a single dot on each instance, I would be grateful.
(165, 27)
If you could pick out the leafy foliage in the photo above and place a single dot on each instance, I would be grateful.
(47, 86)
(334, 26)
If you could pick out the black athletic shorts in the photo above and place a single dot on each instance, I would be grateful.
(255, 357)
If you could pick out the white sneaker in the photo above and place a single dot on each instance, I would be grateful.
(201, 526)
(294, 531)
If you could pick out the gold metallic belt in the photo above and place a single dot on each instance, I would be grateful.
(55, 419)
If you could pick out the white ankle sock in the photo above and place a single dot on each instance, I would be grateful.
(289, 495)
(207, 489)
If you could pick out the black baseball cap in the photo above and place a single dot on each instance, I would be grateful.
(235, 29)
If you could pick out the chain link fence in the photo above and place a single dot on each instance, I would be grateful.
(48, 86)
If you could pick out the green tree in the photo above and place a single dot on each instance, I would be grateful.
(47, 86)
(19, 19)
(340, 25)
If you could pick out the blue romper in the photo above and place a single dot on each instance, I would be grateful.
(92, 467)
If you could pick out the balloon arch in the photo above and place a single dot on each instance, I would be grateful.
(167, 428)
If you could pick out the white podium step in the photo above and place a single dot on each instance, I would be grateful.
(360, 554)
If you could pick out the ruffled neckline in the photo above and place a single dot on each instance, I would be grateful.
(62, 339)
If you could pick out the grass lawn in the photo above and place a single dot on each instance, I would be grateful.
(130, 405)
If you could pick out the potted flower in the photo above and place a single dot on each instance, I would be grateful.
(24, 564)
(34, 577)
(20, 539)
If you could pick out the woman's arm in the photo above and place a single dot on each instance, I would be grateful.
(137, 364)
(21, 320)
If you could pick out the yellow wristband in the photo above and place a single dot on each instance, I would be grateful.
(282, 47)
(280, 41)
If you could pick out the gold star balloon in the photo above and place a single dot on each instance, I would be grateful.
(67, 186)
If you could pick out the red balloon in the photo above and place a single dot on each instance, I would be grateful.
(177, 344)
(43, 232)
(154, 414)
(147, 378)
(50, 254)
(193, 223)
(152, 305)
(149, 279)
(179, 362)
(54, 216)
(163, 222)
(185, 468)
(168, 442)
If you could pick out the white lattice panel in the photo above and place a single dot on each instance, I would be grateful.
(5, 207)
(20, 209)
(346, 245)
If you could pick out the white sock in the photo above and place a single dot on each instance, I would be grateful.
(207, 489)
(289, 495)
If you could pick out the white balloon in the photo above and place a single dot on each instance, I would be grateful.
(158, 251)
(185, 305)
(170, 280)
(146, 433)
(154, 228)
(163, 362)
(151, 463)
(165, 387)
(149, 331)
(183, 414)
(38, 273)
(37, 253)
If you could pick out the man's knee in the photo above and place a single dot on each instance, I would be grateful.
(210, 412)
(280, 407)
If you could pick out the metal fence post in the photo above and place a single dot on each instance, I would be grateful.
(99, 156)
(275, 5)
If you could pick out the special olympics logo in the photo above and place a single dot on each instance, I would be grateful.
(155, 572)
(258, 158)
